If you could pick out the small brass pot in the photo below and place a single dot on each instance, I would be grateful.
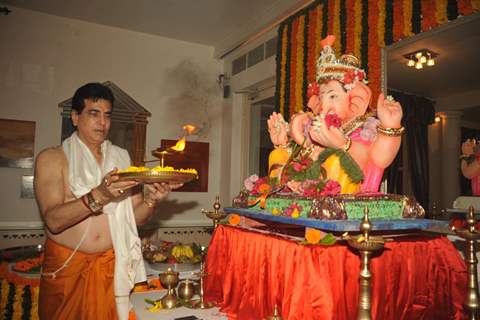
(186, 289)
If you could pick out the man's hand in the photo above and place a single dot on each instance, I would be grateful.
(111, 188)
(158, 191)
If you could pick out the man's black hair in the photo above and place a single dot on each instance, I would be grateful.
(91, 91)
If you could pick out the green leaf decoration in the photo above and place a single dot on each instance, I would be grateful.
(347, 163)
(328, 240)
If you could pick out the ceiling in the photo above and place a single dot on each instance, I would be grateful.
(457, 66)
(224, 24)
(218, 23)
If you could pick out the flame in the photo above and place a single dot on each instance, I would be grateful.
(189, 129)
(180, 145)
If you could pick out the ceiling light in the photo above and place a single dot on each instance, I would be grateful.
(438, 119)
(420, 57)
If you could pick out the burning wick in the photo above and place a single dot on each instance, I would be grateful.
(188, 129)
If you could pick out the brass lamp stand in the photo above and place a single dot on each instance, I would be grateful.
(471, 235)
(366, 245)
(215, 215)
(201, 303)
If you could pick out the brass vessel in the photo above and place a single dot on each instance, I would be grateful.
(169, 280)
(186, 289)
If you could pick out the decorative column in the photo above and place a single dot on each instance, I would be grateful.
(450, 157)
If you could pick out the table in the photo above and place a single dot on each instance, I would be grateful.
(139, 306)
(420, 277)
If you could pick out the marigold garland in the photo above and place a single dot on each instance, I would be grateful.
(361, 26)
(441, 11)
(298, 106)
(18, 295)
(398, 23)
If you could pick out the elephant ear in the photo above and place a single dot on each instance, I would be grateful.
(360, 96)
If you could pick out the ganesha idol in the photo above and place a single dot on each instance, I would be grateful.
(341, 140)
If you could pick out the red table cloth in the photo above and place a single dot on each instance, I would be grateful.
(414, 278)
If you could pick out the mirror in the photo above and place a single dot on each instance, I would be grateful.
(452, 86)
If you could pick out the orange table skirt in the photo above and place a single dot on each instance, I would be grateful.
(414, 278)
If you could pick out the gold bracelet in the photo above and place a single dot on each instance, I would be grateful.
(347, 145)
(149, 204)
(390, 132)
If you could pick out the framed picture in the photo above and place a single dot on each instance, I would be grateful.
(17, 141)
(194, 156)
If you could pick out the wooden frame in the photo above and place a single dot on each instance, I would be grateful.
(17, 142)
(195, 155)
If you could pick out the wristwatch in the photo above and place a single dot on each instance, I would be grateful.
(94, 205)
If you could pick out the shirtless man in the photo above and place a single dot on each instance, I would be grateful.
(79, 232)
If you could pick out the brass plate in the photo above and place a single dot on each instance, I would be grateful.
(157, 176)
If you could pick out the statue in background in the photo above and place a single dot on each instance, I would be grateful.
(470, 164)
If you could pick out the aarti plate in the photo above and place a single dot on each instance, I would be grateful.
(152, 176)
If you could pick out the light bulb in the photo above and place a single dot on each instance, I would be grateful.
(411, 63)
(418, 55)
(438, 119)
(418, 65)
(423, 59)
(430, 62)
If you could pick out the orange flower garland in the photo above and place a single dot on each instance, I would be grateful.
(441, 11)
(293, 67)
(300, 75)
(346, 20)
(283, 72)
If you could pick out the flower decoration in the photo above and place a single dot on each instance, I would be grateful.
(331, 188)
(234, 219)
(313, 89)
(333, 120)
(293, 210)
(313, 236)
(369, 130)
(249, 183)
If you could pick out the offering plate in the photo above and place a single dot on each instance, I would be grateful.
(152, 176)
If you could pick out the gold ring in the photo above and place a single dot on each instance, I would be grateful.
(121, 191)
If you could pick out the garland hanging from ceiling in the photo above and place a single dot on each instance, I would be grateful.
(361, 27)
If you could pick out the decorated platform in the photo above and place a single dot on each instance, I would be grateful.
(344, 225)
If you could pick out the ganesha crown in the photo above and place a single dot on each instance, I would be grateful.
(346, 69)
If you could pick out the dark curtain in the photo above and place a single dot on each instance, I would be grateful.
(418, 113)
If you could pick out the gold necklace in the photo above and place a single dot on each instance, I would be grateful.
(356, 123)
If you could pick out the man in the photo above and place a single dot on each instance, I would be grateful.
(92, 254)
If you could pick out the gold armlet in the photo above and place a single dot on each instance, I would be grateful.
(390, 132)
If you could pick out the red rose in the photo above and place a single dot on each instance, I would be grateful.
(332, 120)
(331, 188)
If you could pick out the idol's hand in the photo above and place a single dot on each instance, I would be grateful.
(389, 112)
(330, 137)
(278, 129)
